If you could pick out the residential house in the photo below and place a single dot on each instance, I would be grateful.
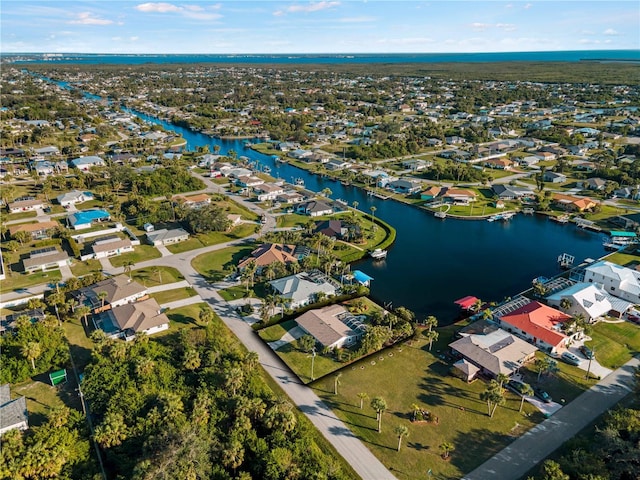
(290, 197)
(554, 177)
(511, 192)
(499, 163)
(300, 154)
(47, 151)
(84, 164)
(167, 237)
(491, 352)
(430, 193)
(594, 183)
(71, 198)
(110, 247)
(332, 326)
(459, 196)
(538, 324)
(571, 203)
(586, 299)
(34, 315)
(337, 164)
(528, 161)
(303, 288)
(194, 201)
(86, 218)
(627, 192)
(416, 164)
(314, 208)
(404, 186)
(249, 181)
(269, 253)
(13, 413)
(619, 281)
(546, 155)
(268, 191)
(38, 231)
(45, 259)
(118, 290)
(331, 228)
(124, 321)
(27, 204)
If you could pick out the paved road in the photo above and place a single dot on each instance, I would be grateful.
(527, 451)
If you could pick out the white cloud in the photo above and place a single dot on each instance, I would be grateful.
(507, 27)
(195, 12)
(87, 18)
(306, 8)
(527, 6)
(610, 31)
(134, 39)
(480, 26)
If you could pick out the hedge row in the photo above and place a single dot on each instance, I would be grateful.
(75, 248)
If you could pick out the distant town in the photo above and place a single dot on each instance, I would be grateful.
(173, 309)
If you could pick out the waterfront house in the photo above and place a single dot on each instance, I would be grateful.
(314, 208)
(511, 192)
(71, 198)
(588, 300)
(537, 323)
(491, 352)
(118, 290)
(269, 253)
(554, 177)
(332, 326)
(290, 197)
(84, 164)
(124, 321)
(404, 186)
(45, 259)
(167, 237)
(303, 288)
(331, 228)
(619, 281)
(337, 164)
(13, 413)
(430, 193)
(459, 196)
(27, 204)
(86, 218)
(571, 203)
(248, 181)
(38, 231)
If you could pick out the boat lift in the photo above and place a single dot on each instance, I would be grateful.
(566, 261)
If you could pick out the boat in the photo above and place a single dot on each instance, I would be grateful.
(440, 214)
(266, 169)
(342, 201)
(378, 254)
(280, 159)
(561, 219)
(299, 181)
(508, 215)
(345, 183)
(528, 211)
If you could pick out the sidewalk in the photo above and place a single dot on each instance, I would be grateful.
(514, 461)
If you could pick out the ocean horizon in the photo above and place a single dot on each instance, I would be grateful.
(326, 58)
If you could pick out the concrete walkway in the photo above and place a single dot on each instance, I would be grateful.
(168, 286)
(291, 336)
(514, 461)
(182, 303)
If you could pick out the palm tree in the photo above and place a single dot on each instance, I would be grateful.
(494, 396)
(112, 431)
(102, 296)
(191, 359)
(379, 405)
(446, 448)
(326, 192)
(526, 391)
(83, 312)
(431, 336)
(127, 267)
(501, 378)
(566, 304)
(430, 322)
(362, 396)
(401, 431)
(336, 382)
(31, 351)
(157, 270)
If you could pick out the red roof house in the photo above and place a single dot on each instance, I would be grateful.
(539, 324)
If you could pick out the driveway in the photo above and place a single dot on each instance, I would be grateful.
(514, 461)
(291, 336)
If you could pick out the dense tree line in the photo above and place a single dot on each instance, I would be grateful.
(196, 406)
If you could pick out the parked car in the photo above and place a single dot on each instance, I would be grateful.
(542, 395)
(570, 358)
(587, 352)
(516, 386)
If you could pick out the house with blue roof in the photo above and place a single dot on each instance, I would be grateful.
(86, 218)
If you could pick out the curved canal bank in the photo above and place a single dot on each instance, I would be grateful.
(434, 262)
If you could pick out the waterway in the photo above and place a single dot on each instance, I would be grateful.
(434, 262)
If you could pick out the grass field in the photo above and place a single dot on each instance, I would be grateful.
(86, 267)
(169, 296)
(141, 253)
(213, 238)
(408, 374)
(240, 291)
(153, 276)
(16, 281)
(615, 343)
(214, 266)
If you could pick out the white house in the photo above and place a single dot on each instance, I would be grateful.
(314, 208)
(119, 290)
(26, 205)
(615, 279)
(268, 191)
(585, 299)
(45, 259)
(84, 164)
(302, 288)
(167, 237)
(111, 246)
(76, 196)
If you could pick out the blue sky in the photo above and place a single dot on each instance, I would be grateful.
(326, 26)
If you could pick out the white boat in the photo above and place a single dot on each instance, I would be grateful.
(442, 215)
(299, 181)
(378, 254)
(342, 201)
(266, 169)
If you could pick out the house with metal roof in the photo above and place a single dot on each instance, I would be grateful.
(619, 281)
(588, 300)
(13, 413)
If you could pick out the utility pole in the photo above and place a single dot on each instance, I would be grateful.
(313, 357)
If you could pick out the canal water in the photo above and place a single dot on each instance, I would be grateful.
(434, 262)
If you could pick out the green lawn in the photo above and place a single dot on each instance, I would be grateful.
(623, 258)
(213, 238)
(240, 291)
(8, 217)
(275, 332)
(168, 296)
(141, 253)
(214, 266)
(17, 280)
(86, 267)
(184, 317)
(291, 220)
(615, 343)
(408, 374)
(153, 276)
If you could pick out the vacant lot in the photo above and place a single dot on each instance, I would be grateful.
(214, 266)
